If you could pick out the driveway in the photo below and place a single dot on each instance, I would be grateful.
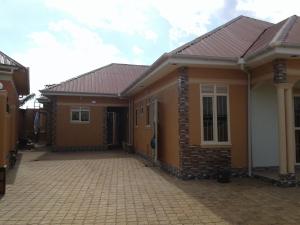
(117, 188)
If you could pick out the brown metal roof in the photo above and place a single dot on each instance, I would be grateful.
(108, 80)
(293, 34)
(286, 32)
(229, 41)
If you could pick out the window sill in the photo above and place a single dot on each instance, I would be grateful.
(221, 145)
(80, 122)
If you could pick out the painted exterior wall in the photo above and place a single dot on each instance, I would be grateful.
(165, 91)
(91, 134)
(9, 120)
(237, 83)
(264, 126)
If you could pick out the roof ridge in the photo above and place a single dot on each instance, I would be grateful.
(14, 61)
(128, 64)
(208, 34)
(283, 31)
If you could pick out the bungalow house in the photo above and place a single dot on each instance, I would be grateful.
(228, 99)
(14, 81)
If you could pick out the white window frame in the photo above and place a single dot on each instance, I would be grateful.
(215, 125)
(80, 109)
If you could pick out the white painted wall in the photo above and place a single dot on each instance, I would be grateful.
(264, 126)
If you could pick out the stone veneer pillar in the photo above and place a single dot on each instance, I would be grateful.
(285, 124)
(183, 119)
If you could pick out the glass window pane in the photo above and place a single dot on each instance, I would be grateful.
(297, 111)
(222, 118)
(85, 116)
(208, 89)
(75, 115)
(208, 133)
(221, 89)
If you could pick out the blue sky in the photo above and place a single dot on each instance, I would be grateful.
(60, 39)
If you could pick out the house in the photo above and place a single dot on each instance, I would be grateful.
(14, 82)
(228, 99)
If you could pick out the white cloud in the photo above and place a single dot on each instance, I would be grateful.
(137, 50)
(65, 51)
(129, 16)
(189, 17)
(272, 10)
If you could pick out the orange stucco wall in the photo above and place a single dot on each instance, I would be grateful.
(70, 134)
(8, 120)
(236, 81)
(165, 91)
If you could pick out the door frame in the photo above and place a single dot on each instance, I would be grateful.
(295, 128)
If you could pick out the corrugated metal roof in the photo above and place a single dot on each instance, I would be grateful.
(229, 41)
(286, 32)
(293, 34)
(111, 79)
(265, 38)
(6, 60)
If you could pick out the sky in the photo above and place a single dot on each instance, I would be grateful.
(60, 39)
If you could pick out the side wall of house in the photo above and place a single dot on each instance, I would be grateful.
(215, 156)
(89, 135)
(10, 119)
(165, 91)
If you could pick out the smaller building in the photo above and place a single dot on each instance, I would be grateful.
(87, 112)
(14, 82)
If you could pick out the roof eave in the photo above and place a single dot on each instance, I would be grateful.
(284, 50)
(61, 93)
(180, 60)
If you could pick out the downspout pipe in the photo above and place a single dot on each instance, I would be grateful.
(243, 68)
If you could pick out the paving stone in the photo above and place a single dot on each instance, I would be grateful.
(117, 188)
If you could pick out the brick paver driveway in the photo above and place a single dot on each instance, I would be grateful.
(116, 188)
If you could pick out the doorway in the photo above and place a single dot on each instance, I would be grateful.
(297, 127)
(117, 126)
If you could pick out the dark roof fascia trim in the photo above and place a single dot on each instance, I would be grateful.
(50, 93)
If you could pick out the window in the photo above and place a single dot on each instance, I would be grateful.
(80, 115)
(214, 110)
(148, 115)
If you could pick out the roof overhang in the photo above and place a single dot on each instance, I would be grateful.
(60, 93)
(20, 77)
(271, 53)
(168, 63)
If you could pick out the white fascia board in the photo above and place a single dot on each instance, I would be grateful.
(278, 52)
(180, 61)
